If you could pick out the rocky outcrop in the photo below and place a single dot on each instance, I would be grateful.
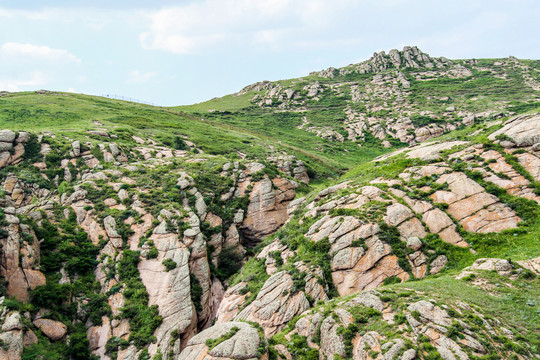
(170, 291)
(227, 341)
(276, 304)
(427, 151)
(523, 130)
(350, 329)
(19, 257)
(267, 209)
(12, 146)
(11, 334)
(502, 267)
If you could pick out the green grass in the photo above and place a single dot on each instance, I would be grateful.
(507, 302)
(225, 103)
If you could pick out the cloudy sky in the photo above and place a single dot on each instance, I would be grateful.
(181, 52)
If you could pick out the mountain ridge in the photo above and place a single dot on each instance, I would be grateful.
(309, 228)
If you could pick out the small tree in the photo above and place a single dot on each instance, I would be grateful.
(179, 143)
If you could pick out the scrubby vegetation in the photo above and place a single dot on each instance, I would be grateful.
(147, 195)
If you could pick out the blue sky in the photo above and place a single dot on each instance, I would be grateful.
(182, 52)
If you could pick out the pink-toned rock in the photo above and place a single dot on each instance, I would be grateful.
(30, 338)
(451, 236)
(243, 345)
(397, 213)
(34, 278)
(418, 206)
(267, 209)
(532, 265)
(232, 301)
(471, 205)
(17, 286)
(353, 270)
(275, 304)
(98, 336)
(170, 291)
(531, 163)
(436, 220)
(412, 227)
(54, 330)
(460, 184)
(494, 218)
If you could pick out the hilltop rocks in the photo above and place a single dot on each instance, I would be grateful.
(241, 341)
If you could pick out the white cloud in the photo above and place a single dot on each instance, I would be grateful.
(45, 52)
(34, 80)
(28, 66)
(199, 26)
(137, 77)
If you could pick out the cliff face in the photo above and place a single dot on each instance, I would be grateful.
(159, 243)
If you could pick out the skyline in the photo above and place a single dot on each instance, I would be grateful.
(183, 52)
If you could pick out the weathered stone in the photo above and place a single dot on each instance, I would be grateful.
(275, 305)
(414, 243)
(267, 209)
(76, 148)
(430, 312)
(524, 130)
(7, 136)
(54, 330)
(12, 321)
(397, 213)
(244, 344)
(438, 264)
(170, 291)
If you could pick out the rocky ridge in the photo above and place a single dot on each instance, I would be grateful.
(386, 99)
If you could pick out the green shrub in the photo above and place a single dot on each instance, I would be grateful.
(169, 264)
(212, 343)
(229, 262)
(152, 253)
(196, 291)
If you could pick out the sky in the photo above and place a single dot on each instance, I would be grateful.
(183, 52)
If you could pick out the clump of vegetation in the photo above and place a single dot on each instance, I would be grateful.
(212, 343)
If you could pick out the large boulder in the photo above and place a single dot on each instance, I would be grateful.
(524, 130)
(54, 330)
(237, 341)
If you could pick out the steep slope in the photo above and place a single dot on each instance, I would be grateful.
(136, 232)
(126, 244)
(426, 214)
(392, 100)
